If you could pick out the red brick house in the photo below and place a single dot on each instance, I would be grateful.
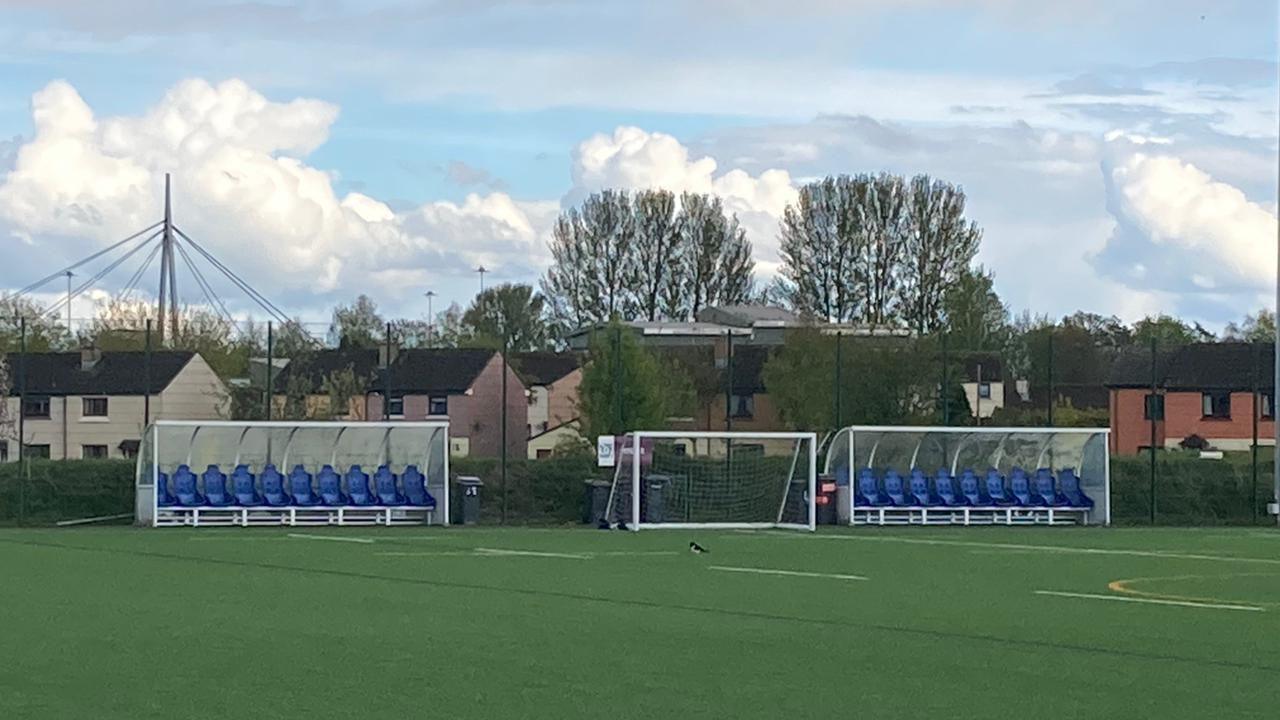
(1204, 389)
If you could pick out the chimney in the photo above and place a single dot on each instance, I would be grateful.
(89, 357)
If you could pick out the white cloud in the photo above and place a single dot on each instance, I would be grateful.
(634, 158)
(1188, 231)
(243, 188)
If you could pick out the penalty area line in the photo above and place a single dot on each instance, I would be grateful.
(1150, 601)
(790, 573)
(499, 552)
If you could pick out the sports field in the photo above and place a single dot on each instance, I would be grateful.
(521, 623)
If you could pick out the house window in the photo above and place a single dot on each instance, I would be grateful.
(1153, 407)
(95, 407)
(743, 406)
(395, 406)
(129, 448)
(1267, 405)
(93, 452)
(36, 407)
(1216, 405)
(984, 391)
(36, 452)
(543, 453)
(438, 405)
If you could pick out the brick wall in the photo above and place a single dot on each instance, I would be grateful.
(1184, 416)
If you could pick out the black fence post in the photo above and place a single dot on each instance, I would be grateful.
(146, 379)
(22, 425)
(1152, 413)
(1253, 448)
(1050, 383)
(386, 376)
(505, 345)
(271, 366)
(728, 381)
(839, 396)
(616, 358)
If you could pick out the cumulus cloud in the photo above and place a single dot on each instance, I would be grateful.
(242, 186)
(634, 158)
(1178, 229)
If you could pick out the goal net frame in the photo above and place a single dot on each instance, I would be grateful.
(629, 464)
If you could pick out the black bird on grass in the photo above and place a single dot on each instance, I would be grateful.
(697, 549)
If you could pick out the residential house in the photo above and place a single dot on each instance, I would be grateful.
(552, 380)
(93, 404)
(1204, 389)
(465, 385)
(546, 443)
(307, 379)
(983, 384)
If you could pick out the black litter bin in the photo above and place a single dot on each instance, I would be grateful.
(595, 501)
(468, 493)
(655, 507)
(826, 500)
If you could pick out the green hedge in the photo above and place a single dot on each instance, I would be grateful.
(42, 492)
(1191, 491)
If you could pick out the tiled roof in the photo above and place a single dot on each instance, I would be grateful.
(115, 373)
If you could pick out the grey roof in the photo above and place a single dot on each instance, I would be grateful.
(444, 370)
(748, 315)
(116, 373)
(544, 368)
(1199, 366)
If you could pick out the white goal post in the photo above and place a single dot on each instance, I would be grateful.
(714, 480)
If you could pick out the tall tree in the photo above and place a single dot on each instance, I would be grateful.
(623, 387)
(449, 331)
(357, 325)
(593, 260)
(660, 291)
(974, 316)
(940, 244)
(44, 332)
(881, 203)
(513, 312)
(818, 250)
(1259, 328)
(1108, 332)
(715, 255)
(1168, 331)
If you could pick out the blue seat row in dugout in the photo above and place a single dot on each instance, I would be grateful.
(271, 489)
(944, 490)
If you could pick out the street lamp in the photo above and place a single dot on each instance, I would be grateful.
(431, 319)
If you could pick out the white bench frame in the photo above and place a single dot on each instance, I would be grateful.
(265, 516)
(872, 515)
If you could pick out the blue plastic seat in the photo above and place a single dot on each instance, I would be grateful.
(996, 493)
(184, 486)
(215, 488)
(1020, 489)
(893, 488)
(300, 488)
(920, 494)
(163, 497)
(385, 482)
(358, 487)
(273, 487)
(1069, 486)
(330, 487)
(415, 488)
(972, 490)
(944, 487)
(245, 487)
(1045, 491)
(869, 490)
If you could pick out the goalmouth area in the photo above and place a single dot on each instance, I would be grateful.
(991, 622)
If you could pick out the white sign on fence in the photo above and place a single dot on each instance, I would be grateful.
(604, 451)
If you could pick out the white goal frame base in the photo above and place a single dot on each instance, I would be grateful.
(631, 462)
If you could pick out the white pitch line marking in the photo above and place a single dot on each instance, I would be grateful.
(335, 538)
(792, 573)
(1151, 601)
(531, 553)
(636, 553)
(1045, 548)
(441, 553)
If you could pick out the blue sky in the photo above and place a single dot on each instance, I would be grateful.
(1121, 155)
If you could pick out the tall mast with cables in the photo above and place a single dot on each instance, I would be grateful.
(168, 272)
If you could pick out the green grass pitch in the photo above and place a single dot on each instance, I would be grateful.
(525, 623)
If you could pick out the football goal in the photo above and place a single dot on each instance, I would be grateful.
(672, 479)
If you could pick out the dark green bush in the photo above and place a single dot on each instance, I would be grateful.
(1189, 490)
(42, 492)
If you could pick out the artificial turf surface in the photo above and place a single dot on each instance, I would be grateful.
(399, 623)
